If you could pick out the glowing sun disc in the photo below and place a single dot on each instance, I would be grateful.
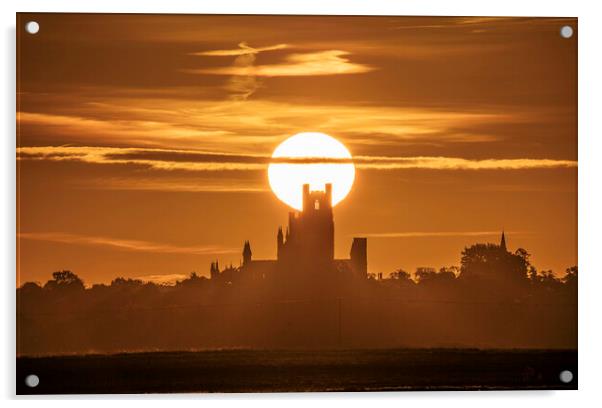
(287, 179)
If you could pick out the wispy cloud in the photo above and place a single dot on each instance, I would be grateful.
(167, 279)
(259, 125)
(452, 23)
(128, 156)
(184, 185)
(330, 62)
(243, 49)
(125, 244)
(456, 163)
(165, 159)
(241, 87)
(245, 75)
(435, 234)
(133, 130)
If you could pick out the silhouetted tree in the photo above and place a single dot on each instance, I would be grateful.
(64, 280)
(30, 289)
(548, 279)
(534, 278)
(400, 274)
(449, 271)
(490, 262)
(193, 280)
(401, 278)
(123, 282)
(430, 275)
(31, 286)
(570, 277)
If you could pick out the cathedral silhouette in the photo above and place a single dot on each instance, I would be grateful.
(305, 252)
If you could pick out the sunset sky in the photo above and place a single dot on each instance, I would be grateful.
(143, 140)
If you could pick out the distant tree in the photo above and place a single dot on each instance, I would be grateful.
(64, 280)
(129, 282)
(534, 277)
(522, 253)
(30, 288)
(192, 280)
(430, 275)
(490, 262)
(400, 274)
(423, 274)
(401, 277)
(570, 277)
(97, 287)
(450, 272)
(548, 279)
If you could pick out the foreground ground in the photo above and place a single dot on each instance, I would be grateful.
(289, 371)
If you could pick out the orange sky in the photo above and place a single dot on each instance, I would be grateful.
(143, 140)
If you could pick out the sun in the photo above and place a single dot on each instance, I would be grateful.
(309, 154)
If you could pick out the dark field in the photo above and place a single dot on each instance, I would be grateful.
(289, 371)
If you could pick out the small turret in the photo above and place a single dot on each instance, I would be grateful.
(214, 270)
(246, 254)
(329, 194)
(280, 242)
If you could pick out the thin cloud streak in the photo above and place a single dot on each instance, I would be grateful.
(203, 161)
(139, 131)
(175, 185)
(435, 234)
(243, 49)
(456, 163)
(168, 279)
(125, 244)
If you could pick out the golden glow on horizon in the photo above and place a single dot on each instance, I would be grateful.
(287, 179)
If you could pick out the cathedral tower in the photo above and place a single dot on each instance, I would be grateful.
(316, 224)
(309, 243)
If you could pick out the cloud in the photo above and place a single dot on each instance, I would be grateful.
(244, 49)
(259, 125)
(134, 130)
(241, 87)
(330, 62)
(170, 184)
(125, 244)
(456, 163)
(486, 22)
(431, 234)
(167, 279)
(165, 159)
(245, 74)
(127, 156)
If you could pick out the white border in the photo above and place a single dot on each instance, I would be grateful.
(590, 202)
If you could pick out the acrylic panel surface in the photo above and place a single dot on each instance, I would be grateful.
(222, 203)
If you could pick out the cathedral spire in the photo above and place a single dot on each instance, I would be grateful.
(503, 241)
